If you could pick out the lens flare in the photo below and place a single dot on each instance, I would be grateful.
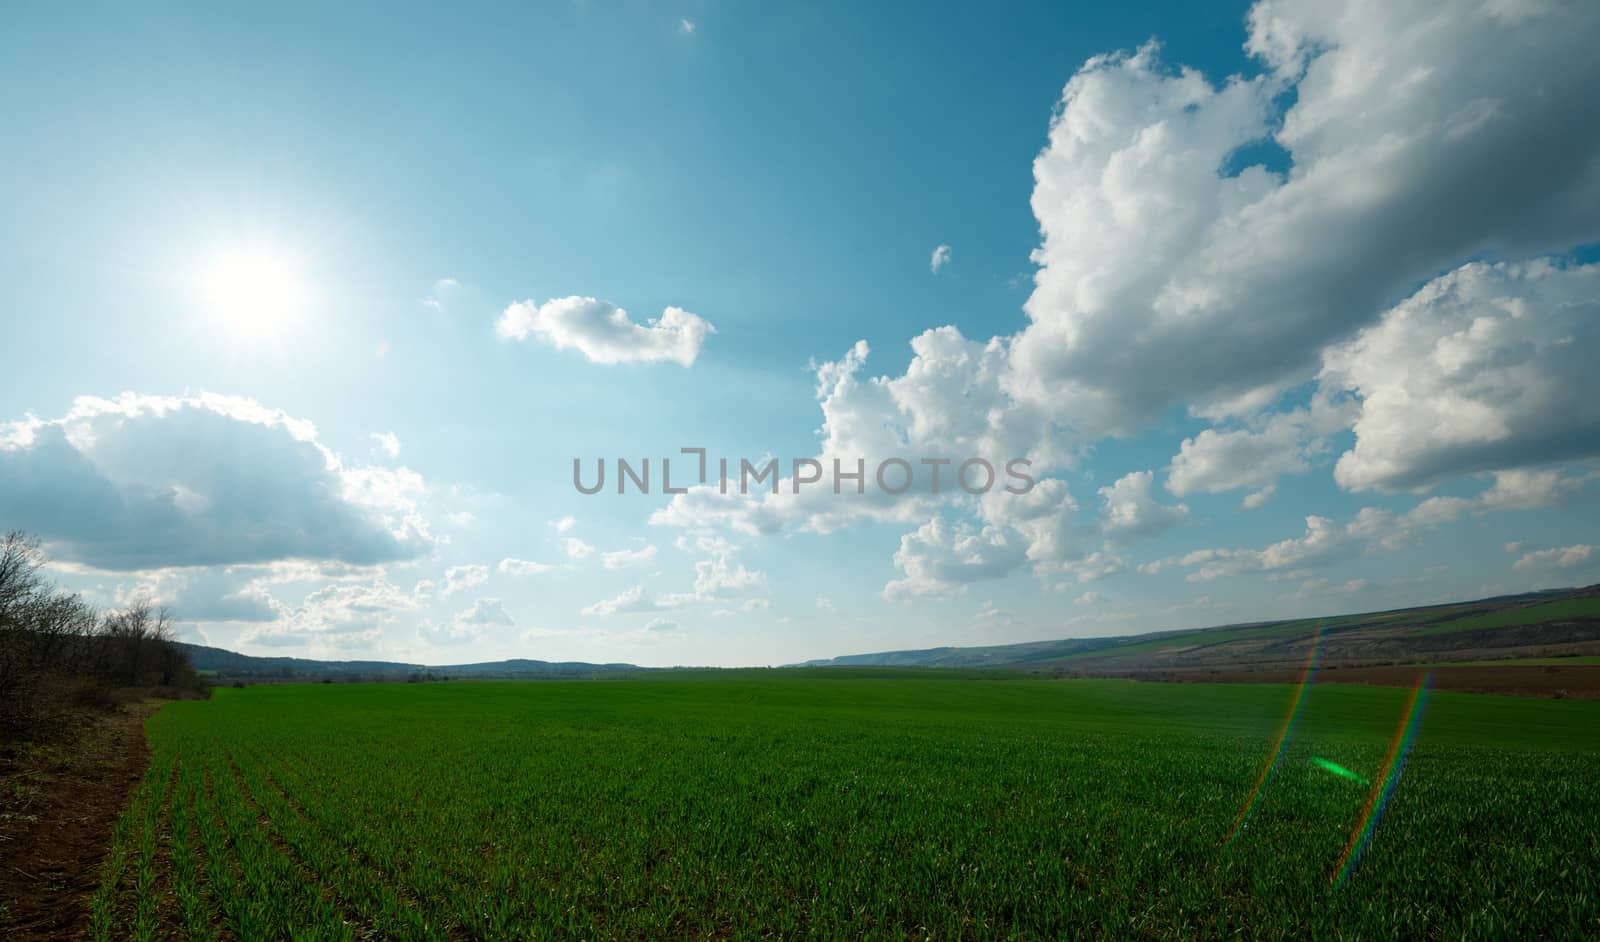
(1339, 770)
(1383, 789)
(1307, 674)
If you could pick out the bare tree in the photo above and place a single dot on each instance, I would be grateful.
(56, 649)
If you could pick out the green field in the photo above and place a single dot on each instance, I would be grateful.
(1524, 615)
(776, 805)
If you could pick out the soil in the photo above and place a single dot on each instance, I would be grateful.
(57, 807)
(1577, 681)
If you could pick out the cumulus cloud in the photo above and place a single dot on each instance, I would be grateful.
(1170, 274)
(578, 549)
(720, 578)
(522, 567)
(388, 443)
(1130, 511)
(339, 616)
(622, 559)
(468, 625)
(1326, 541)
(1258, 499)
(1255, 455)
(941, 258)
(222, 594)
(462, 578)
(1489, 367)
(1225, 247)
(635, 599)
(603, 333)
(147, 482)
(1566, 557)
(939, 558)
(948, 404)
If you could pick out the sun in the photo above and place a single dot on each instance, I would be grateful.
(253, 293)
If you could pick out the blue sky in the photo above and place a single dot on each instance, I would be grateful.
(1276, 265)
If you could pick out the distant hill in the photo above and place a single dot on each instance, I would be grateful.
(224, 665)
(1551, 623)
(1561, 623)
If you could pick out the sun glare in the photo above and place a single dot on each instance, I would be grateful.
(253, 293)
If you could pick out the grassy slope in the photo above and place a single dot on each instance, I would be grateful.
(809, 807)
(1560, 610)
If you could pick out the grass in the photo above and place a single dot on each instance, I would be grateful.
(782, 805)
(1523, 615)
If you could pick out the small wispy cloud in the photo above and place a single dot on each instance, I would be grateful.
(388, 443)
(444, 291)
(941, 258)
(686, 27)
(622, 559)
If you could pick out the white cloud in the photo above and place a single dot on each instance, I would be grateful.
(1170, 275)
(342, 615)
(564, 524)
(686, 27)
(146, 482)
(213, 594)
(720, 578)
(602, 332)
(388, 443)
(1130, 511)
(468, 625)
(446, 291)
(1566, 557)
(948, 404)
(1325, 541)
(1489, 367)
(635, 599)
(990, 615)
(824, 604)
(578, 549)
(941, 258)
(939, 558)
(522, 567)
(622, 559)
(1222, 459)
(1524, 489)
(462, 578)
(1089, 598)
(1173, 271)
(1258, 499)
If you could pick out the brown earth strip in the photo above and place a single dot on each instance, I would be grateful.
(57, 808)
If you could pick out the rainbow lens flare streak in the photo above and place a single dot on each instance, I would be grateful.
(1383, 788)
(1306, 676)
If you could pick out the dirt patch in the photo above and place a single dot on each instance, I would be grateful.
(57, 806)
